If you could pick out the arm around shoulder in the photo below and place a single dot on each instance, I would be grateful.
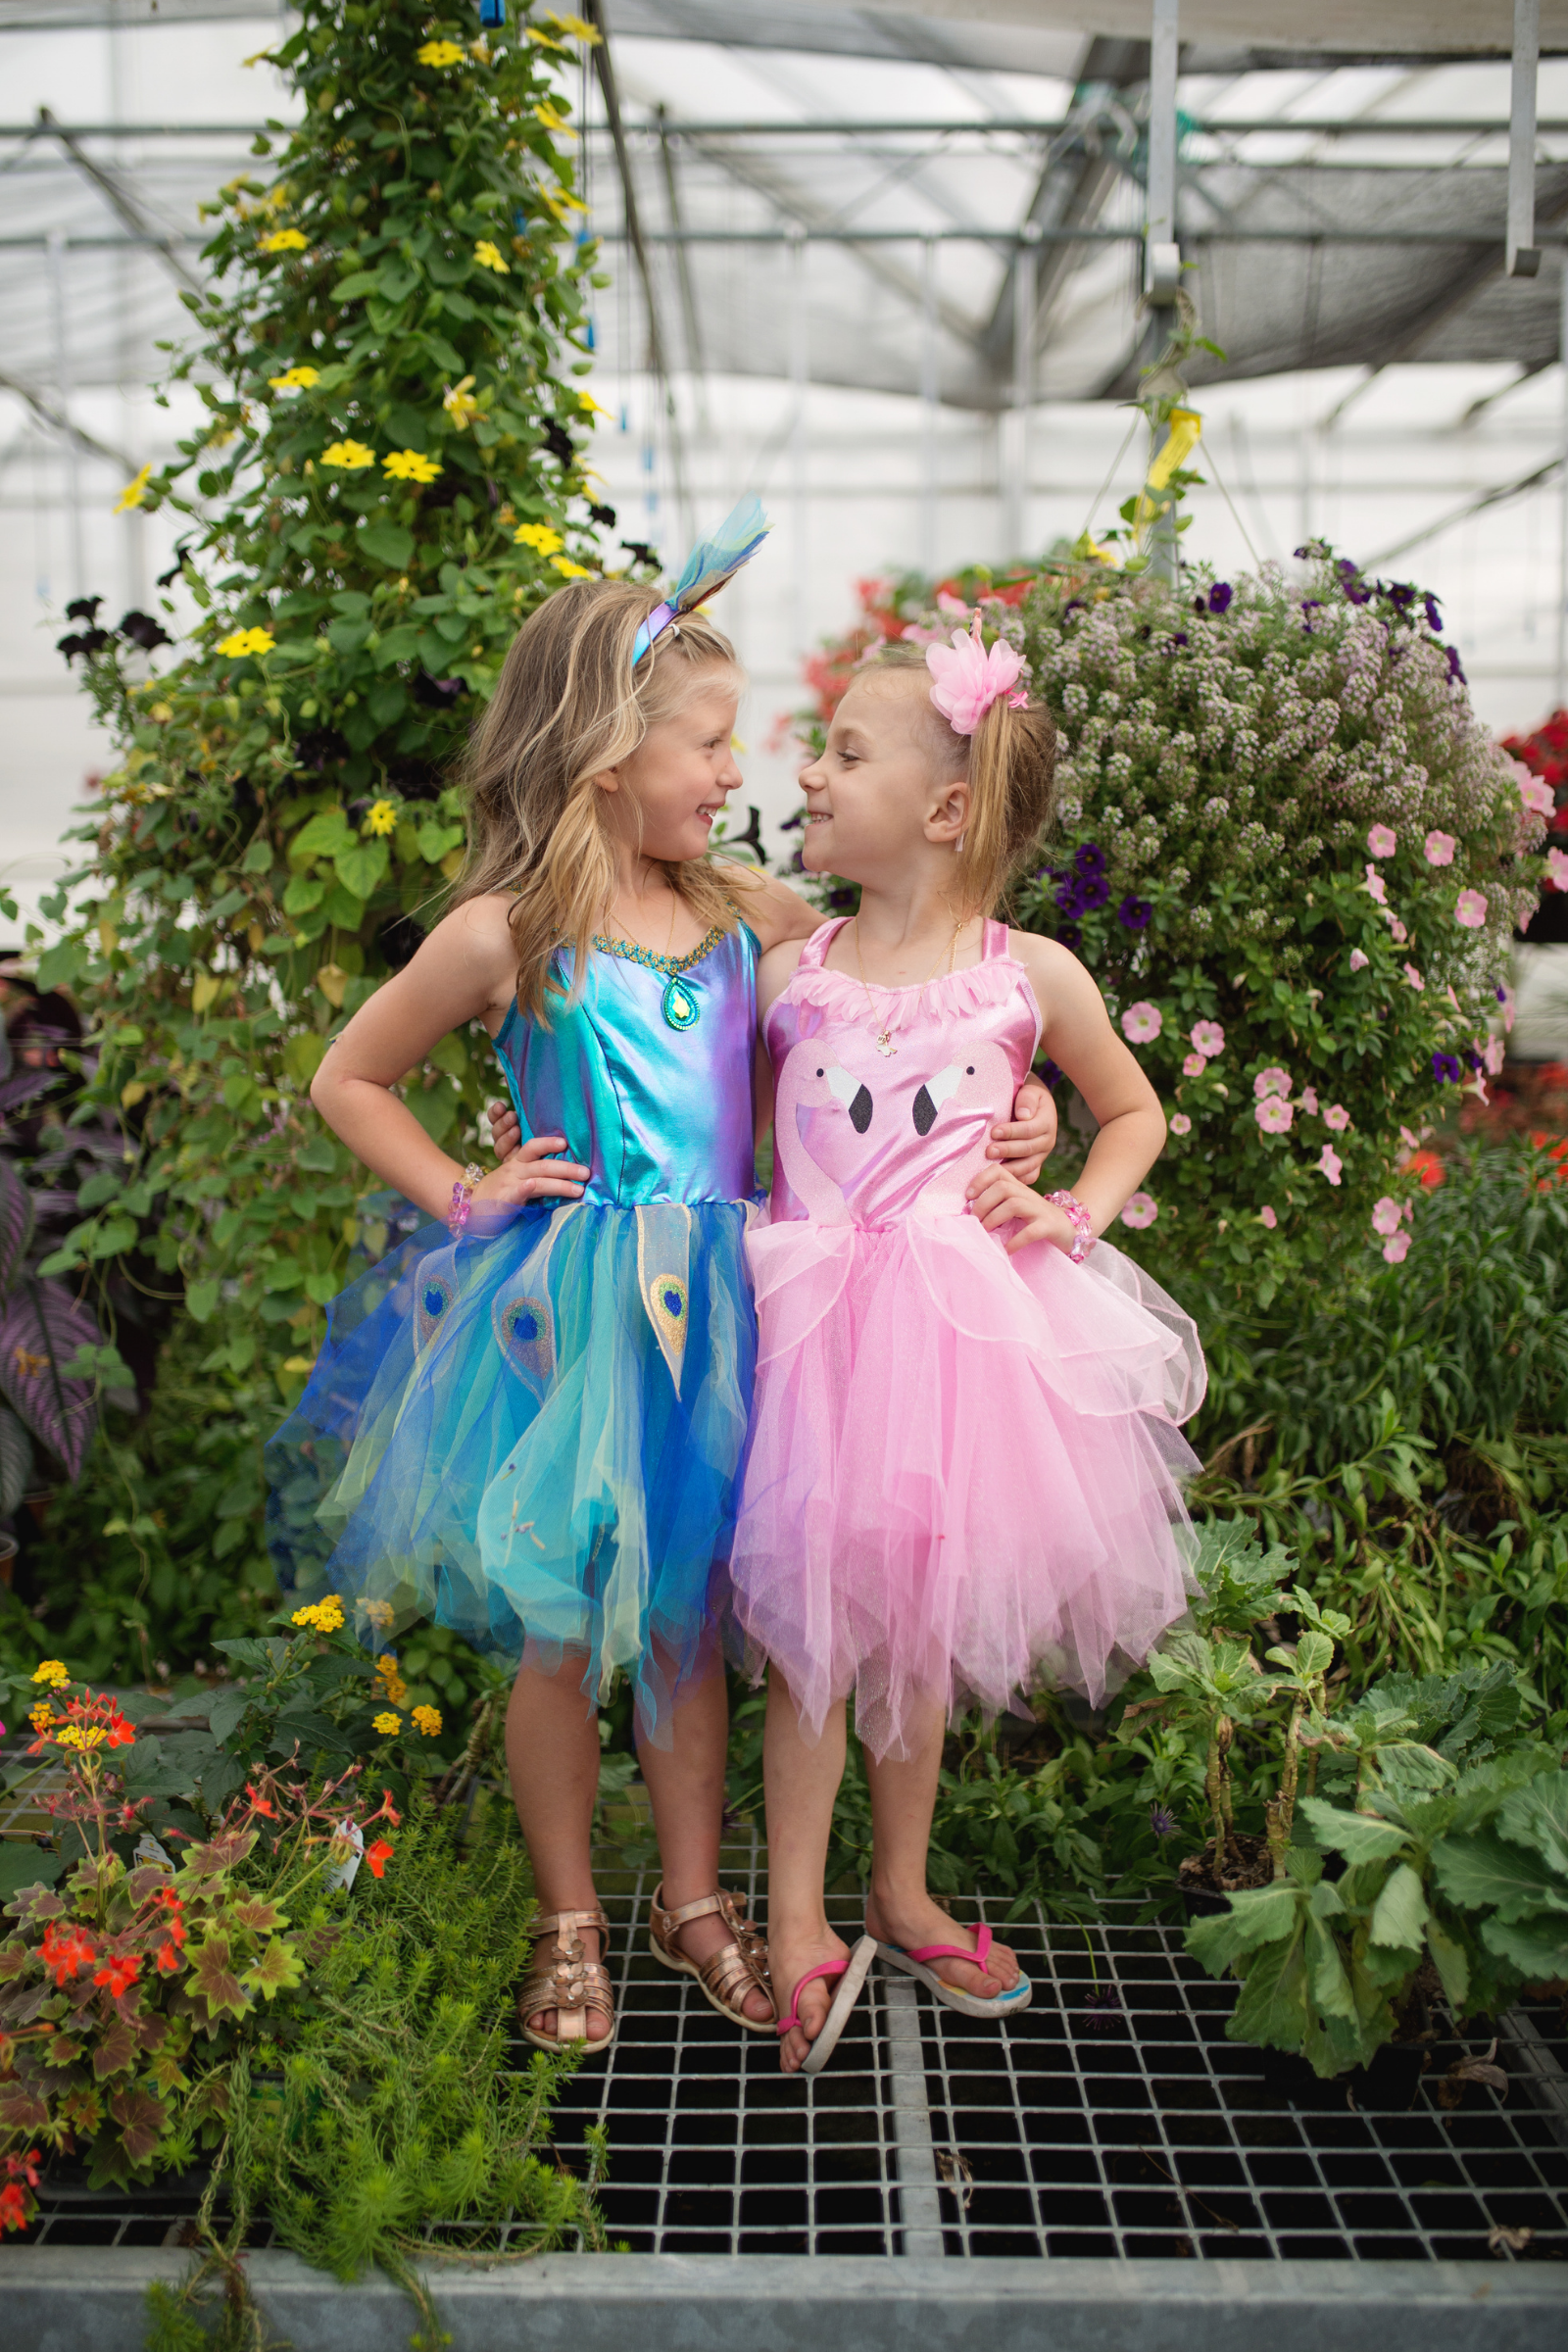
(768, 907)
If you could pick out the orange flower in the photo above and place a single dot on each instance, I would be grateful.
(261, 1804)
(67, 1951)
(377, 1856)
(14, 2207)
(119, 1971)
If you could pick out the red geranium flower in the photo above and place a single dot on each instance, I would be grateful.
(119, 1971)
(261, 1804)
(13, 2203)
(67, 1951)
(377, 1856)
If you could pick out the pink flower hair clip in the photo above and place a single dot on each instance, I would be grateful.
(969, 677)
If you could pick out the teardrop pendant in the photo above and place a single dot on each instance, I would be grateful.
(680, 1005)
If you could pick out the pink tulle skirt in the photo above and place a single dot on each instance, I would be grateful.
(963, 1474)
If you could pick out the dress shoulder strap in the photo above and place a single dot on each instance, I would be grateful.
(994, 942)
(817, 946)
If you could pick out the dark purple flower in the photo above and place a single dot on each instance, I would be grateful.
(1134, 914)
(840, 901)
(1357, 595)
(1502, 995)
(1052, 1073)
(1101, 2009)
(1162, 1823)
(1400, 595)
(792, 824)
(1090, 858)
(1069, 935)
(1310, 606)
(1068, 896)
(1219, 595)
(1094, 892)
(1178, 638)
(1199, 605)
(1472, 1060)
(1455, 667)
(1446, 1068)
(1434, 615)
(797, 863)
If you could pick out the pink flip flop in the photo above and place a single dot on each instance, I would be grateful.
(854, 1972)
(917, 1963)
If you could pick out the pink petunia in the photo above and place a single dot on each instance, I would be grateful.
(1397, 1248)
(1142, 1023)
(1411, 1142)
(1413, 976)
(1180, 1123)
(1267, 1216)
(1140, 1211)
(1440, 848)
(1337, 1117)
(1209, 1038)
(1493, 1053)
(1273, 1081)
(1557, 869)
(1194, 1066)
(1537, 794)
(1358, 959)
(1385, 1214)
(1374, 885)
(1273, 1115)
(1310, 1101)
(1382, 841)
(1330, 1164)
(946, 602)
(1505, 998)
(1396, 929)
(1470, 909)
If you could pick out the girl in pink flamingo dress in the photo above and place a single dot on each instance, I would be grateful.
(964, 1458)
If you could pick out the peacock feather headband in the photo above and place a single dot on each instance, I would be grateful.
(704, 572)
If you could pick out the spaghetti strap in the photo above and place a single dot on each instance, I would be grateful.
(817, 946)
(995, 942)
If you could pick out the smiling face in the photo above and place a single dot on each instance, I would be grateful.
(663, 798)
(887, 790)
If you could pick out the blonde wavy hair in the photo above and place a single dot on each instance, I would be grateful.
(1010, 764)
(568, 706)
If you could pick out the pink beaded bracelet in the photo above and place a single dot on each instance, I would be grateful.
(1083, 1230)
(463, 1200)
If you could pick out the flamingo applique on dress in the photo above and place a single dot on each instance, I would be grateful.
(963, 1468)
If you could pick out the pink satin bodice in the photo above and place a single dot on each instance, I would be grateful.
(863, 1135)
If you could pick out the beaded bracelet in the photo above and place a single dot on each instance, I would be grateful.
(463, 1200)
(1084, 1235)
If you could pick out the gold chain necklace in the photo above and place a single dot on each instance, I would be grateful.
(883, 1041)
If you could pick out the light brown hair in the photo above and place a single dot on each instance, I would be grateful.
(1009, 764)
(568, 706)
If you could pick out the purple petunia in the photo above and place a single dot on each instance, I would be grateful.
(1446, 1068)
(1052, 1073)
(1095, 891)
(1134, 914)
(1310, 606)
(1433, 614)
(1456, 665)
(1068, 935)
(1219, 595)
(1090, 858)
(1069, 896)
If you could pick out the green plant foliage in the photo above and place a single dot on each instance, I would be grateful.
(388, 2097)
(389, 477)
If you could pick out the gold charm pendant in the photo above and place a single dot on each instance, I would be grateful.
(885, 1045)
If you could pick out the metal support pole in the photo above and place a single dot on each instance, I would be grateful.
(930, 412)
(1523, 253)
(1560, 679)
(56, 249)
(800, 377)
(1024, 392)
(1162, 260)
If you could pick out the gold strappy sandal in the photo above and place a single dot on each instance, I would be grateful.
(570, 1983)
(733, 1971)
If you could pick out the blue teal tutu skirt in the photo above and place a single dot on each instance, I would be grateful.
(533, 1437)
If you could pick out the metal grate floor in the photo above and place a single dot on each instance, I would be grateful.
(1112, 2119)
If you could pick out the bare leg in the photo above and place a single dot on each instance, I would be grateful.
(801, 1780)
(686, 1784)
(899, 1910)
(553, 1763)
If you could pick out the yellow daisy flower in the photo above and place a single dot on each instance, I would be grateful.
(386, 1722)
(460, 404)
(440, 53)
(569, 570)
(295, 379)
(242, 642)
(134, 492)
(488, 257)
(352, 456)
(410, 465)
(428, 1720)
(539, 536)
(381, 817)
(285, 240)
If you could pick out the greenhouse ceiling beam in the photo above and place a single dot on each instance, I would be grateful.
(1014, 125)
(119, 202)
(1486, 245)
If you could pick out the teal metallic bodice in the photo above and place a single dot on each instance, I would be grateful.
(657, 1113)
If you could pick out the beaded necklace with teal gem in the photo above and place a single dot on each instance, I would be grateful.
(679, 1005)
